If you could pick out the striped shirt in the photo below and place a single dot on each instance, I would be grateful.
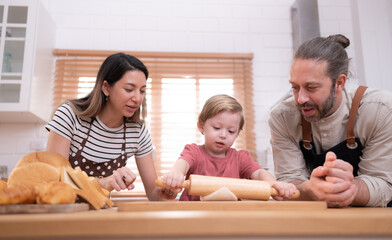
(104, 143)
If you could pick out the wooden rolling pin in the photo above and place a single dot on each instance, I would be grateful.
(200, 185)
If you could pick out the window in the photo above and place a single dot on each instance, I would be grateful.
(178, 86)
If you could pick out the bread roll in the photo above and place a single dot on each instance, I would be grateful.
(18, 194)
(54, 159)
(35, 173)
(56, 193)
(3, 185)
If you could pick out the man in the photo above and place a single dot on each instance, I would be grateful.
(332, 146)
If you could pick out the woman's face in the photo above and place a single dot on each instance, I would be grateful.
(127, 94)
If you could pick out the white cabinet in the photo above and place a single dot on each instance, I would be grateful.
(26, 50)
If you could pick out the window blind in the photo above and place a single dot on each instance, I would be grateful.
(178, 86)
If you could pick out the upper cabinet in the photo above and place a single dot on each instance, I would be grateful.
(27, 35)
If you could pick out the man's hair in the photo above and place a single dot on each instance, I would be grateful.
(330, 49)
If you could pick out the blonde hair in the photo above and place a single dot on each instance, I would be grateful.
(220, 103)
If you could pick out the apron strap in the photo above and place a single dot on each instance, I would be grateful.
(306, 130)
(87, 135)
(306, 127)
(353, 114)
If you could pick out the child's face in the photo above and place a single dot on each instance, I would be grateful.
(220, 132)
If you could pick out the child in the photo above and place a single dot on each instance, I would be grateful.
(220, 121)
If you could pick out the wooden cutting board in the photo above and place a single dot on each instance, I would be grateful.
(221, 205)
(44, 208)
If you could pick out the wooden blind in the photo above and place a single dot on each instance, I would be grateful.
(178, 86)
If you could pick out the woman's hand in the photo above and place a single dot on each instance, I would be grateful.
(121, 179)
(168, 194)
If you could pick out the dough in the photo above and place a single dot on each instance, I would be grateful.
(222, 194)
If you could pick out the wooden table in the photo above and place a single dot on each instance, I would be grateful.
(221, 222)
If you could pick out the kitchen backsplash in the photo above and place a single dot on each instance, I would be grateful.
(18, 139)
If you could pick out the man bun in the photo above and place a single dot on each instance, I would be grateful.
(339, 38)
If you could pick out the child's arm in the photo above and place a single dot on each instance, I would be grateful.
(263, 175)
(175, 177)
(286, 190)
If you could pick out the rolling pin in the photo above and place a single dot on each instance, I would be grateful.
(200, 185)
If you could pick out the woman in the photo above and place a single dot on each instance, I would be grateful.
(101, 131)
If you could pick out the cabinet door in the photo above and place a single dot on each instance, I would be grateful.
(13, 23)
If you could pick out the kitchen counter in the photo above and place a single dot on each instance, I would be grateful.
(222, 223)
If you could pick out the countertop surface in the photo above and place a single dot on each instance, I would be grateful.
(202, 219)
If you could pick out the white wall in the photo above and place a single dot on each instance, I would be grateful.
(262, 27)
(373, 30)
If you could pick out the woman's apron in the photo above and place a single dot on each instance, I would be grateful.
(103, 169)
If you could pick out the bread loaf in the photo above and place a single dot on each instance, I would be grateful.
(18, 194)
(51, 180)
(56, 193)
(3, 185)
(35, 173)
(51, 158)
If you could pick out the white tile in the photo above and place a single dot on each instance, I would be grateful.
(234, 25)
(278, 40)
(108, 22)
(218, 11)
(226, 42)
(277, 55)
(7, 144)
(242, 43)
(211, 42)
(248, 12)
(140, 23)
(196, 42)
(203, 25)
(276, 12)
(75, 38)
(172, 24)
(115, 36)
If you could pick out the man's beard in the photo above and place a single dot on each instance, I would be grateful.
(327, 105)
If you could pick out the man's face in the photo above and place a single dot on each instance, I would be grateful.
(312, 89)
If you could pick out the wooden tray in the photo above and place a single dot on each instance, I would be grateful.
(44, 208)
(221, 205)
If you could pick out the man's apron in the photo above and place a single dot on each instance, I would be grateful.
(350, 150)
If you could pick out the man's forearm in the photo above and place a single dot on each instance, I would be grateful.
(362, 197)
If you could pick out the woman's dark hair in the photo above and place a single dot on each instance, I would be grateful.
(330, 49)
(111, 70)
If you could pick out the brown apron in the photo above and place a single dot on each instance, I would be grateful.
(349, 150)
(103, 169)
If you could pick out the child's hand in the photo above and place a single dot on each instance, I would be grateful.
(286, 190)
(173, 181)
